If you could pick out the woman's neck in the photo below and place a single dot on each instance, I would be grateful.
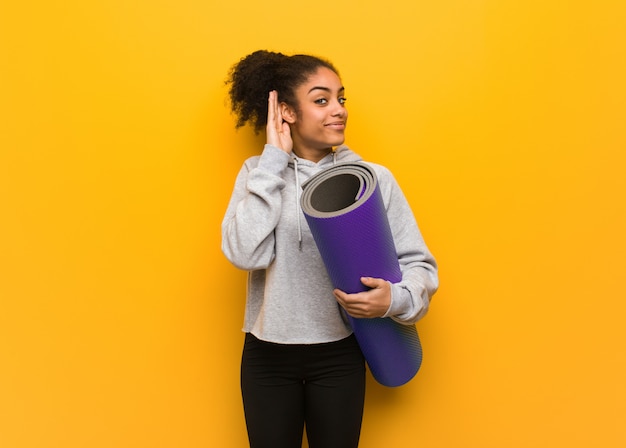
(314, 155)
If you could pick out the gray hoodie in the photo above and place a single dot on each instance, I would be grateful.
(289, 294)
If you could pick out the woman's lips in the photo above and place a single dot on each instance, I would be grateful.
(340, 125)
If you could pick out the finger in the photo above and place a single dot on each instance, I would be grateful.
(277, 115)
(339, 295)
(345, 300)
(373, 282)
(271, 108)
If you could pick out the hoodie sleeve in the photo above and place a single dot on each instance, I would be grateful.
(410, 298)
(254, 210)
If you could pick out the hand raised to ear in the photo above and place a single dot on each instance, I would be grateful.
(277, 130)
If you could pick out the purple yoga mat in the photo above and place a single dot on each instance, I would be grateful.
(345, 212)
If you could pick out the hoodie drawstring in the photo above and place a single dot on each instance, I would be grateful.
(298, 208)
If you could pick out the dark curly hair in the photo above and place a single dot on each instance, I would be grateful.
(254, 76)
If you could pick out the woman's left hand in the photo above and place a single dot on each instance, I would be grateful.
(372, 303)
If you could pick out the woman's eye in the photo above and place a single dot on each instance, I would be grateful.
(324, 101)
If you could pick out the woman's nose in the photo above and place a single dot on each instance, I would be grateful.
(339, 109)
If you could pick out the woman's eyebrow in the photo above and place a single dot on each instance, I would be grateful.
(326, 89)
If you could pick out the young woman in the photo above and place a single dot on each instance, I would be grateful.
(301, 365)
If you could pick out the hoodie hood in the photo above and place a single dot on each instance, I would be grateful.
(339, 154)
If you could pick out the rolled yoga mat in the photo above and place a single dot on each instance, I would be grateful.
(345, 212)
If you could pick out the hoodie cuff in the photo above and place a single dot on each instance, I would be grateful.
(273, 160)
(401, 302)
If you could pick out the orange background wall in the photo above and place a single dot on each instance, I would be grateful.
(504, 121)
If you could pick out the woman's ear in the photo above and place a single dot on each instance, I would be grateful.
(287, 113)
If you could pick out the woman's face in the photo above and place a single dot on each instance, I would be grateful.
(319, 122)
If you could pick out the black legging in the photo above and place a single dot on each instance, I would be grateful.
(285, 387)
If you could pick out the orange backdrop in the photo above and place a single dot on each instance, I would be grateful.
(504, 122)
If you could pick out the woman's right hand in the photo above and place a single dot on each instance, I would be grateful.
(277, 130)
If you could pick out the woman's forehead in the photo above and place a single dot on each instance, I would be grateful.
(322, 79)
